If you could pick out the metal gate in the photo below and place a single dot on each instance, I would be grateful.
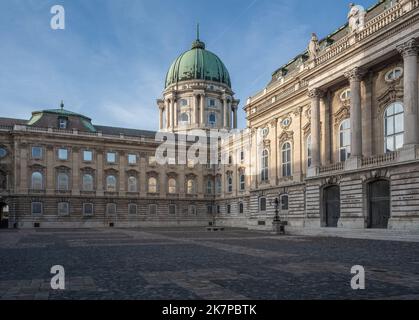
(379, 204)
(331, 206)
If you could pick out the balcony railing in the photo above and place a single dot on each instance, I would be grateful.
(379, 160)
(332, 168)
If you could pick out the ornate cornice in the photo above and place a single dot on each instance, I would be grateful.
(409, 48)
(343, 113)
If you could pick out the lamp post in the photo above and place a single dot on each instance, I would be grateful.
(278, 225)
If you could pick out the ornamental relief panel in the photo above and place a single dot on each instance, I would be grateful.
(392, 94)
(286, 136)
(343, 113)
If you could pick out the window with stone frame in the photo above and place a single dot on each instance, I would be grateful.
(111, 209)
(241, 207)
(132, 184)
(309, 151)
(63, 181)
(111, 182)
(192, 210)
(394, 127)
(87, 182)
(242, 181)
(63, 209)
(218, 184)
(286, 160)
(265, 166)
(152, 185)
(132, 209)
(209, 186)
(37, 181)
(172, 186)
(172, 209)
(345, 140)
(62, 154)
(262, 204)
(37, 208)
(152, 209)
(88, 209)
(284, 202)
(190, 186)
(37, 152)
(230, 182)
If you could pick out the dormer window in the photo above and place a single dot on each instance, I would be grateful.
(62, 123)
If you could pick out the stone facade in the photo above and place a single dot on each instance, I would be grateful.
(334, 136)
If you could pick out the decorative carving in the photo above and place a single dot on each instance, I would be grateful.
(307, 129)
(393, 93)
(409, 48)
(343, 113)
(356, 74)
(315, 93)
(356, 18)
(286, 136)
(286, 122)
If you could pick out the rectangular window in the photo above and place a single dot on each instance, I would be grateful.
(192, 210)
(172, 209)
(36, 208)
(262, 204)
(241, 207)
(132, 209)
(152, 209)
(62, 154)
(228, 209)
(209, 209)
(132, 159)
(211, 103)
(88, 209)
(152, 160)
(111, 157)
(87, 156)
(63, 123)
(63, 209)
(36, 153)
(111, 209)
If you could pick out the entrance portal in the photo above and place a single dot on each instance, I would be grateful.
(331, 210)
(379, 204)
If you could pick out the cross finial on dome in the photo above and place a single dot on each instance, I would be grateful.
(197, 31)
(198, 44)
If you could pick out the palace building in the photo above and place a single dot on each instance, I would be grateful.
(334, 137)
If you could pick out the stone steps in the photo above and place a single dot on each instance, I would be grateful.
(369, 234)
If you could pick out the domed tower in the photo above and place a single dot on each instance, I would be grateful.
(197, 93)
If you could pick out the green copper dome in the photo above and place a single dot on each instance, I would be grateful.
(198, 64)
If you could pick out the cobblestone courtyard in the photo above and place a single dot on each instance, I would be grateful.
(195, 264)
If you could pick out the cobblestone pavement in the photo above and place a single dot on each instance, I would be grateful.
(196, 264)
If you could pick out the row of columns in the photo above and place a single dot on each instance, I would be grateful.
(409, 51)
(170, 109)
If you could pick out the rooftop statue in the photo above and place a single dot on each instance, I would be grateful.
(313, 47)
(356, 18)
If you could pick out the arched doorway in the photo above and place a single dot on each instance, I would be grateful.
(331, 206)
(378, 204)
(4, 215)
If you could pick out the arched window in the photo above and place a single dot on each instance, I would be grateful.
(345, 140)
(152, 185)
(111, 183)
(265, 165)
(230, 183)
(132, 184)
(63, 181)
(184, 119)
(394, 74)
(190, 186)
(309, 152)
(87, 182)
(286, 160)
(172, 186)
(218, 185)
(394, 127)
(242, 181)
(209, 186)
(37, 181)
(345, 95)
(212, 119)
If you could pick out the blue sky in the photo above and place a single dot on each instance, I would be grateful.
(111, 60)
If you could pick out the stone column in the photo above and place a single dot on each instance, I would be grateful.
(223, 112)
(315, 96)
(226, 111)
(235, 109)
(195, 114)
(24, 154)
(172, 113)
(76, 172)
(202, 110)
(50, 173)
(161, 118)
(366, 93)
(167, 114)
(122, 176)
(326, 132)
(355, 76)
(409, 51)
(99, 173)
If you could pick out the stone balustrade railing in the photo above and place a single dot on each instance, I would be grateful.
(378, 160)
(332, 168)
(371, 27)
